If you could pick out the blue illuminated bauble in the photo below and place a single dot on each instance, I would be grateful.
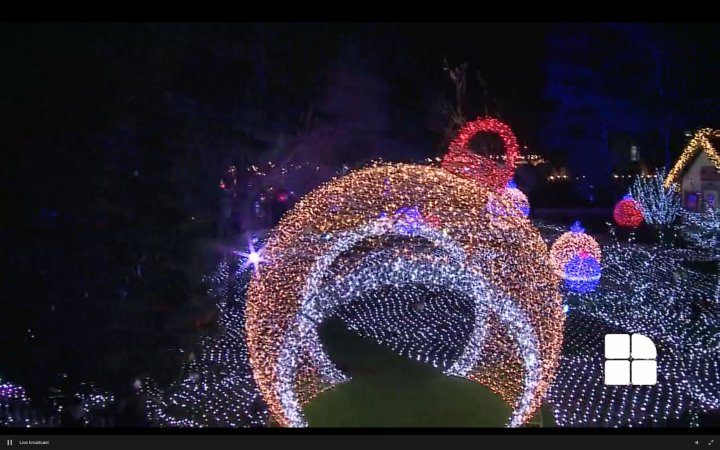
(573, 243)
(517, 197)
(582, 273)
(408, 219)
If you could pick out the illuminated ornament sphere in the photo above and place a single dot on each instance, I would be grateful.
(571, 244)
(582, 273)
(461, 160)
(628, 212)
(514, 345)
(408, 219)
(517, 198)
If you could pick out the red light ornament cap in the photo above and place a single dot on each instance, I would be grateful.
(461, 160)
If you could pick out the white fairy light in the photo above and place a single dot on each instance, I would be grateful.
(660, 204)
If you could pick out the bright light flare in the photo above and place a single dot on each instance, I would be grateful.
(252, 257)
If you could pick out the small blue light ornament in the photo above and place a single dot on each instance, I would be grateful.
(408, 219)
(518, 198)
(582, 273)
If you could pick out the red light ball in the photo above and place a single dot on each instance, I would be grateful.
(628, 213)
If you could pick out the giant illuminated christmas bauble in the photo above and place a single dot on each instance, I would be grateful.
(571, 244)
(628, 212)
(316, 261)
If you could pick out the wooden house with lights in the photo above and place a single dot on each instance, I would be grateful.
(697, 171)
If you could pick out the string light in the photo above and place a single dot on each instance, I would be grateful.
(699, 141)
(660, 205)
(93, 402)
(461, 160)
(13, 397)
(702, 229)
(288, 293)
(10, 391)
(281, 182)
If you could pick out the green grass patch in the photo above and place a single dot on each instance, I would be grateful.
(388, 390)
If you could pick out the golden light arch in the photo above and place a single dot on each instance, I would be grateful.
(317, 251)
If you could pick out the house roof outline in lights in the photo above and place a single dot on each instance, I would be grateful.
(701, 140)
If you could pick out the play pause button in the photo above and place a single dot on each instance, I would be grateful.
(9, 442)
